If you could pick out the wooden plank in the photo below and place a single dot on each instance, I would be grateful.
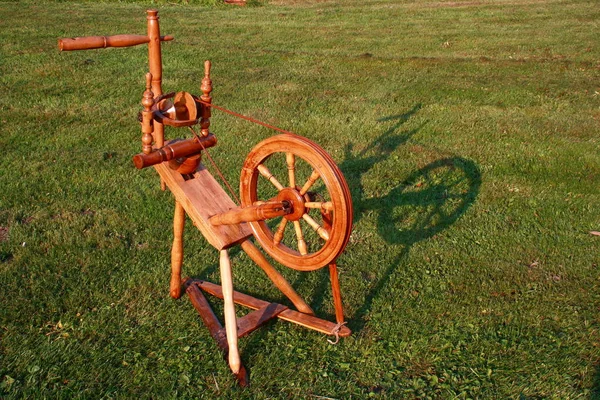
(296, 317)
(208, 316)
(202, 198)
(252, 321)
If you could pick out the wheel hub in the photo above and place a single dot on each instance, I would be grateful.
(292, 196)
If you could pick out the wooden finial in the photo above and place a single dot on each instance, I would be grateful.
(147, 128)
(206, 88)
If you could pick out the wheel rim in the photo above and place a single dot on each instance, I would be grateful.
(326, 198)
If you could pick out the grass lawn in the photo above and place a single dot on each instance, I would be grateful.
(467, 132)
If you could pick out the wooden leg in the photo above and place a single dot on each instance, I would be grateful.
(229, 309)
(177, 251)
(337, 295)
(277, 279)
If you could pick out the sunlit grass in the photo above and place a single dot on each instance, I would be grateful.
(467, 132)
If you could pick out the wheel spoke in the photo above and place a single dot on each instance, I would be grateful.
(315, 225)
(264, 171)
(327, 205)
(280, 229)
(301, 243)
(311, 181)
(290, 159)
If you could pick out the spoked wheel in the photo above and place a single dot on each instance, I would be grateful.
(318, 227)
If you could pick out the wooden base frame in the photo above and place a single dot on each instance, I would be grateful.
(195, 197)
(263, 311)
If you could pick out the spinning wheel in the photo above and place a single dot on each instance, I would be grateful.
(316, 193)
(304, 224)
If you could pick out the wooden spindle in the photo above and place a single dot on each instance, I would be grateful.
(206, 88)
(264, 171)
(327, 205)
(147, 121)
(290, 159)
(278, 236)
(155, 65)
(311, 181)
(229, 311)
(300, 237)
(315, 225)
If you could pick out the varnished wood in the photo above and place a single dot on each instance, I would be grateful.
(202, 197)
(316, 227)
(252, 321)
(264, 171)
(147, 125)
(229, 310)
(251, 213)
(173, 150)
(336, 191)
(290, 159)
(278, 280)
(278, 236)
(155, 66)
(296, 317)
(99, 42)
(222, 222)
(177, 251)
(206, 88)
(337, 294)
(302, 248)
(176, 109)
(187, 165)
(327, 205)
(208, 316)
(309, 182)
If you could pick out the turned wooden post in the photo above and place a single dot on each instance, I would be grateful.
(337, 294)
(206, 88)
(155, 64)
(229, 310)
(147, 122)
(177, 251)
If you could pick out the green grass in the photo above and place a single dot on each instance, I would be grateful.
(468, 133)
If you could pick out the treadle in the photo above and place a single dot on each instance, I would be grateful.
(308, 321)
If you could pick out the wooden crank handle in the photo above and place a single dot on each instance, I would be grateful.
(182, 148)
(252, 213)
(100, 42)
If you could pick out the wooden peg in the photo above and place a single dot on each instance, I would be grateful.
(206, 88)
(147, 126)
(229, 311)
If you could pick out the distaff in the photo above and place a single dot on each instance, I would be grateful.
(101, 42)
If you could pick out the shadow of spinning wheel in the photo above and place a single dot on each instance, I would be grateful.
(428, 201)
(420, 206)
(425, 203)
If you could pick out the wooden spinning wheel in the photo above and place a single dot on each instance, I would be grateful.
(304, 224)
(334, 204)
